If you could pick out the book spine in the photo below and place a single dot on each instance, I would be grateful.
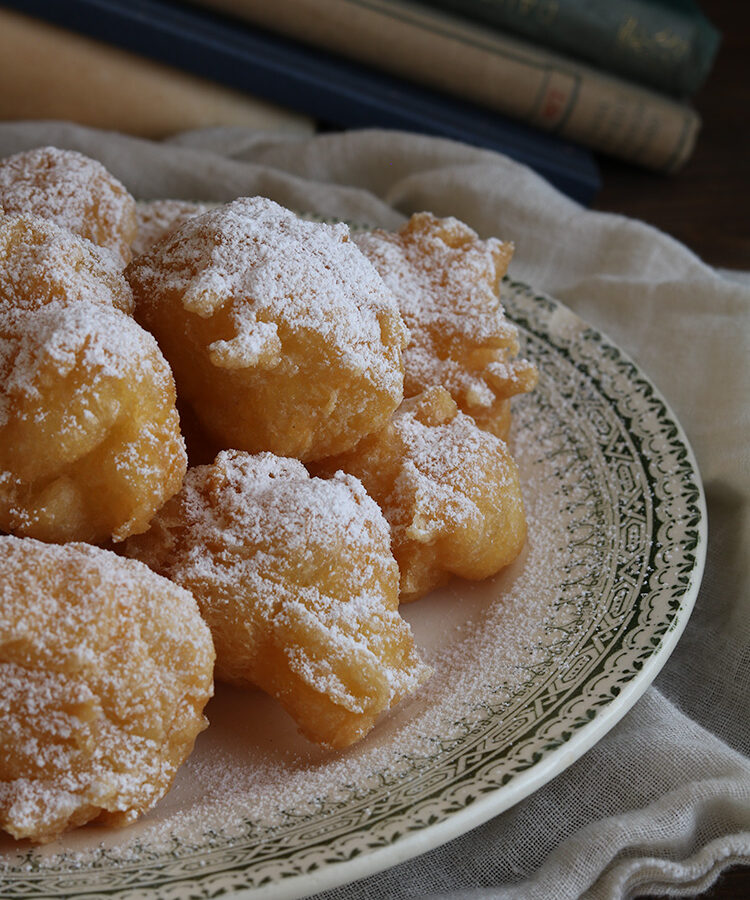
(60, 74)
(664, 46)
(501, 73)
(312, 81)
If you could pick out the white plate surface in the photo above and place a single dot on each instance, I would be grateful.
(531, 668)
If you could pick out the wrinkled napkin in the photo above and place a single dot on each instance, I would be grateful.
(661, 804)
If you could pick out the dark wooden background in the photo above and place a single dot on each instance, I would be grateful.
(706, 205)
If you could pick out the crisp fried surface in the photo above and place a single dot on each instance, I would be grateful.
(447, 282)
(288, 345)
(105, 668)
(90, 445)
(295, 577)
(158, 218)
(449, 490)
(281, 335)
(72, 190)
(41, 261)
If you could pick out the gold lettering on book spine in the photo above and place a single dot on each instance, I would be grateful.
(665, 43)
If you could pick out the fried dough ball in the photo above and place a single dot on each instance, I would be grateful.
(281, 335)
(72, 190)
(158, 218)
(446, 281)
(449, 490)
(90, 444)
(41, 261)
(106, 668)
(295, 578)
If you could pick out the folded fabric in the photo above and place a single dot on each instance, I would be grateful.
(662, 804)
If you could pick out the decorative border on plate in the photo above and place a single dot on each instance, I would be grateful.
(616, 441)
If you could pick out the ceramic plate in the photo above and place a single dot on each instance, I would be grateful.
(531, 668)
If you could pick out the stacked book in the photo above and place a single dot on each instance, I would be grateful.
(536, 79)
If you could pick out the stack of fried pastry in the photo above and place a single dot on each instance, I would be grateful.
(344, 400)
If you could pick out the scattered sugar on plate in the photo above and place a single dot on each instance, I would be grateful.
(251, 771)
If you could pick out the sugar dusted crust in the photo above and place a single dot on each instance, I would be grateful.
(296, 579)
(158, 218)
(282, 336)
(449, 490)
(446, 281)
(90, 443)
(106, 668)
(41, 261)
(75, 192)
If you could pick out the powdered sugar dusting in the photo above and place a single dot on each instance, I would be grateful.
(283, 273)
(307, 561)
(72, 190)
(41, 261)
(158, 218)
(443, 460)
(104, 665)
(94, 338)
(446, 282)
(447, 260)
(90, 443)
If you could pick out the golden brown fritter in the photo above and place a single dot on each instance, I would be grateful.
(72, 190)
(281, 335)
(105, 670)
(295, 578)
(90, 444)
(449, 490)
(447, 283)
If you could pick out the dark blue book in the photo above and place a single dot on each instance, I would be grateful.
(332, 90)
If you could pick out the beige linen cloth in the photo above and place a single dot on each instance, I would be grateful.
(662, 804)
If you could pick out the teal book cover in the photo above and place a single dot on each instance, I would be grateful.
(667, 44)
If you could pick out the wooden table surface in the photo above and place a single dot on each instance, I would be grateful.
(706, 205)
(734, 884)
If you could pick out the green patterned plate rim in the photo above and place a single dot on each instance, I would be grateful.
(630, 543)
